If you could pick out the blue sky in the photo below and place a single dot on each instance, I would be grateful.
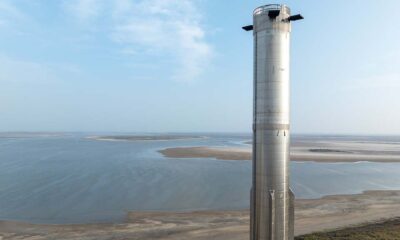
(186, 65)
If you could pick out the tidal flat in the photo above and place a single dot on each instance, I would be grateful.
(312, 215)
(74, 186)
(302, 149)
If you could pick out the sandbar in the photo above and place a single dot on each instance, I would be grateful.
(301, 150)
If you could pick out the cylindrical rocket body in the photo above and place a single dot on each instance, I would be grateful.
(271, 197)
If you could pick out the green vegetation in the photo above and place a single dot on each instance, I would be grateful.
(388, 230)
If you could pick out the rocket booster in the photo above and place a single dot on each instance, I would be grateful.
(272, 201)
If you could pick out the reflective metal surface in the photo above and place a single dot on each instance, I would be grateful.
(271, 198)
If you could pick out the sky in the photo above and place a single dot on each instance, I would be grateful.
(186, 66)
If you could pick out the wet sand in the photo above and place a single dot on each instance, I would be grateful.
(302, 150)
(312, 215)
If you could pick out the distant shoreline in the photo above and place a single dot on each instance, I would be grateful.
(127, 138)
(325, 150)
(326, 213)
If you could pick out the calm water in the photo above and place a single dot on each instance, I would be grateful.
(71, 179)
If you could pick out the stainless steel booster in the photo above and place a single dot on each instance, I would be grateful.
(271, 201)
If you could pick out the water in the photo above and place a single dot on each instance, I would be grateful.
(72, 179)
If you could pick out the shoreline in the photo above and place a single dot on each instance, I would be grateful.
(134, 138)
(298, 153)
(322, 214)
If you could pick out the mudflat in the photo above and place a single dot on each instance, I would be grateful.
(327, 150)
(331, 212)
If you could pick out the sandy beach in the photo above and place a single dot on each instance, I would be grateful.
(312, 215)
(302, 150)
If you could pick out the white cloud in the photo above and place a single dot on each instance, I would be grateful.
(170, 28)
(194, 52)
